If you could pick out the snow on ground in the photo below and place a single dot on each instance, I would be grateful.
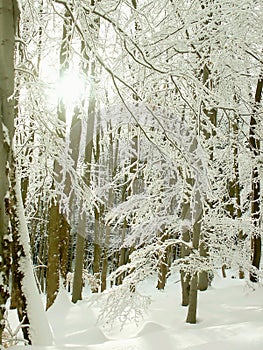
(230, 317)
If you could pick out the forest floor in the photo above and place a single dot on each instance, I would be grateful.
(230, 317)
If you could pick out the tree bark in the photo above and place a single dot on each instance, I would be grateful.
(185, 276)
(77, 282)
(53, 267)
(78, 271)
(8, 21)
(29, 304)
(58, 225)
(162, 265)
(191, 315)
(255, 184)
(18, 254)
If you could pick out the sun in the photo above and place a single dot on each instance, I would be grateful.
(70, 88)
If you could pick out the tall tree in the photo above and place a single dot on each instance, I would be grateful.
(90, 71)
(58, 225)
(254, 141)
(9, 13)
(77, 283)
(37, 329)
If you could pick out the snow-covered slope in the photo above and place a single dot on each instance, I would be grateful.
(230, 317)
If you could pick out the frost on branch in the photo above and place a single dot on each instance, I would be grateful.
(11, 336)
(124, 303)
(93, 280)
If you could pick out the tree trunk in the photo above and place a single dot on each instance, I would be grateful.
(185, 285)
(234, 207)
(191, 316)
(18, 255)
(96, 263)
(78, 271)
(52, 279)
(8, 20)
(122, 254)
(106, 246)
(63, 247)
(162, 266)
(41, 273)
(211, 115)
(104, 270)
(56, 219)
(185, 251)
(185, 277)
(162, 271)
(77, 282)
(30, 307)
(255, 184)
(203, 280)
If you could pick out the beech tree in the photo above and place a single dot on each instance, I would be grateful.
(58, 225)
(254, 141)
(9, 13)
(13, 224)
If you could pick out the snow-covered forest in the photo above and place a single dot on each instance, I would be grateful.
(130, 171)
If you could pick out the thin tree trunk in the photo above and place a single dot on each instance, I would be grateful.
(122, 254)
(56, 219)
(91, 74)
(191, 315)
(78, 271)
(162, 271)
(97, 223)
(96, 249)
(112, 169)
(185, 251)
(162, 266)
(224, 271)
(234, 207)
(193, 291)
(41, 273)
(104, 269)
(211, 115)
(52, 279)
(185, 276)
(255, 184)
(64, 233)
(77, 282)
(106, 247)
